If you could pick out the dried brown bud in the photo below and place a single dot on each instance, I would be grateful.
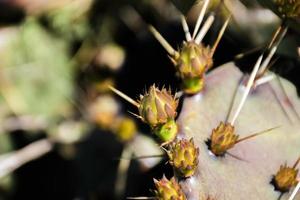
(222, 139)
(183, 157)
(168, 189)
(285, 179)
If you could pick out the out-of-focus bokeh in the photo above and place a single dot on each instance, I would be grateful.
(63, 134)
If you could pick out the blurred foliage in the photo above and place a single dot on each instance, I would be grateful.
(38, 70)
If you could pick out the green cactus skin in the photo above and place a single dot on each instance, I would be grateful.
(229, 178)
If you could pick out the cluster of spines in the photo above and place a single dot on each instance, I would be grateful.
(193, 58)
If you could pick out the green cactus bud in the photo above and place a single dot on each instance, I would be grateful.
(192, 62)
(168, 189)
(183, 157)
(157, 106)
(288, 8)
(158, 109)
(222, 138)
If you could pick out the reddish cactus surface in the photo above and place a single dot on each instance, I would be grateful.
(229, 178)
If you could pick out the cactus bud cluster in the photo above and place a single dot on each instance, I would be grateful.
(183, 157)
(192, 62)
(285, 178)
(158, 109)
(222, 138)
(288, 8)
(168, 189)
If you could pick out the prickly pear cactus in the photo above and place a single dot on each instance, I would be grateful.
(237, 136)
(249, 172)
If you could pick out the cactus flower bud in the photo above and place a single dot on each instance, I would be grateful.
(192, 62)
(157, 106)
(183, 157)
(222, 139)
(158, 109)
(168, 189)
(285, 179)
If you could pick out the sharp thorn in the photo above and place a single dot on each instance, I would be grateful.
(247, 90)
(206, 26)
(220, 35)
(256, 134)
(163, 41)
(200, 18)
(124, 96)
(185, 27)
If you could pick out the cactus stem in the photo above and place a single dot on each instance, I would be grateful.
(206, 26)
(247, 90)
(220, 35)
(163, 42)
(186, 30)
(200, 18)
(124, 96)
(295, 191)
(256, 134)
